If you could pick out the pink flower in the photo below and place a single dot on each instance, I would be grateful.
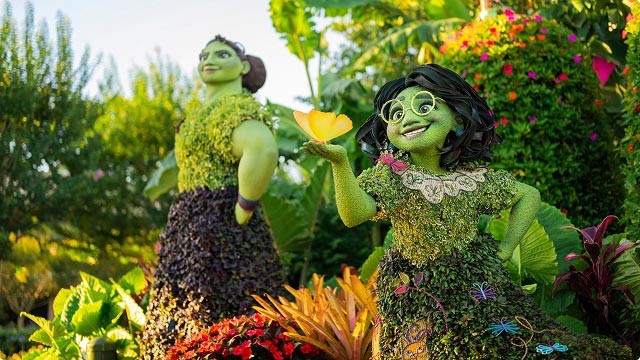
(484, 57)
(572, 38)
(603, 68)
(532, 119)
(563, 77)
(504, 121)
(544, 30)
(531, 74)
(510, 14)
(593, 136)
(98, 174)
(537, 18)
(508, 69)
(577, 58)
(397, 166)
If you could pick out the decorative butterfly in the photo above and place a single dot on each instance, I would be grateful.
(483, 291)
(549, 348)
(503, 325)
(323, 126)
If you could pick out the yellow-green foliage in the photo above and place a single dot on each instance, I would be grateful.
(340, 322)
(203, 144)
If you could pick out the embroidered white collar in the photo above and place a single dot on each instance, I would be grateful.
(435, 187)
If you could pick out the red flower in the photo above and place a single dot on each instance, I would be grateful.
(243, 350)
(508, 69)
(512, 95)
(630, 149)
(598, 102)
(307, 348)
(504, 121)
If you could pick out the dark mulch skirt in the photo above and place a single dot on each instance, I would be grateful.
(208, 267)
(446, 317)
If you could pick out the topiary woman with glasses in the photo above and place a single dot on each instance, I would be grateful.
(216, 249)
(443, 292)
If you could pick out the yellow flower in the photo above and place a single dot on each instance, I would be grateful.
(323, 126)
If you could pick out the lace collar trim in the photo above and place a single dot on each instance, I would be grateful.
(435, 187)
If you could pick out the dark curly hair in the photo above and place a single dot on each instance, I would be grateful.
(255, 78)
(471, 110)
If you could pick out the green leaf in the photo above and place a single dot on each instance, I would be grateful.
(565, 241)
(292, 20)
(135, 314)
(71, 304)
(627, 273)
(287, 223)
(164, 178)
(87, 320)
(95, 289)
(535, 257)
(573, 324)
(400, 38)
(133, 281)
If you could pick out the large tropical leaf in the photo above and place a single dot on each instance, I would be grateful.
(292, 19)
(628, 272)
(400, 38)
(535, 257)
(564, 240)
(293, 221)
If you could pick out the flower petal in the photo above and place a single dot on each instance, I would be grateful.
(326, 126)
(303, 120)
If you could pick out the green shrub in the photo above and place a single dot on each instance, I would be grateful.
(13, 340)
(537, 78)
(630, 144)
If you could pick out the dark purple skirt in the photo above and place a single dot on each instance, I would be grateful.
(208, 266)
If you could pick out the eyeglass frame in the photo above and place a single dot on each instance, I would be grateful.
(413, 99)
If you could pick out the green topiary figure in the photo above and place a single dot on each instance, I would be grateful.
(216, 249)
(443, 292)
(630, 144)
(538, 78)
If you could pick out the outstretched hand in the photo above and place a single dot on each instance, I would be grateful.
(334, 153)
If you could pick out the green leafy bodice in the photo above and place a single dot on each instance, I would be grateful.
(203, 144)
(425, 229)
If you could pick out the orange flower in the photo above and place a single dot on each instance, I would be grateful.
(512, 95)
(323, 126)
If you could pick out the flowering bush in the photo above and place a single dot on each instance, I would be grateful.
(243, 338)
(537, 77)
(630, 144)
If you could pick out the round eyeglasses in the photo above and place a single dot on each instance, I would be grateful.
(422, 103)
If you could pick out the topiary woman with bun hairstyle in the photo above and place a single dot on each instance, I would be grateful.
(443, 291)
(216, 248)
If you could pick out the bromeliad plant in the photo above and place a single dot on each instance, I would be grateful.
(243, 337)
(593, 286)
(340, 322)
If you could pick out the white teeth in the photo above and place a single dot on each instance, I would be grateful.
(415, 132)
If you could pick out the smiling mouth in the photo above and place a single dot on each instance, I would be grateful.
(414, 132)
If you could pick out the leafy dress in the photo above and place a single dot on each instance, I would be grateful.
(443, 292)
(208, 265)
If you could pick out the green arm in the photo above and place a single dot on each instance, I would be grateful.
(253, 143)
(355, 206)
(523, 211)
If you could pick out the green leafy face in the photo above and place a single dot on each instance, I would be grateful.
(219, 63)
(418, 121)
